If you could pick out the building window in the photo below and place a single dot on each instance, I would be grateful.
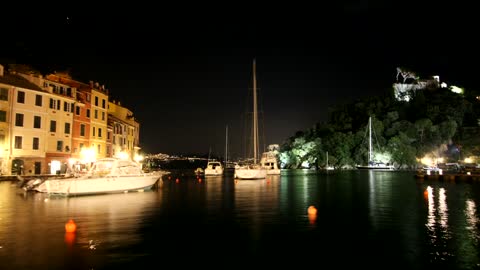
(66, 106)
(103, 116)
(88, 113)
(99, 148)
(77, 110)
(99, 132)
(93, 132)
(58, 104)
(19, 120)
(3, 94)
(67, 128)
(36, 143)
(18, 142)
(81, 147)
(37, 122)
(72, 106)
(82, 130)
(96, 101)
(2, 139)
(59, 146)
(108, 149)
(21, 97)
(3, 116)
(88, 97)
(51, 105)
(103, 103)
(53, 126)
(96, 114)
(38, 100)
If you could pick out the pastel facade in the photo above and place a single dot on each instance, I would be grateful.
(48, 121)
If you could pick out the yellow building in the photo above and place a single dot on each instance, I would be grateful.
(126, 130)
(25, 114)
(98, 119)
(59, 104)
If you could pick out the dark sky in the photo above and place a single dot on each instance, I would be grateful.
(186, 73)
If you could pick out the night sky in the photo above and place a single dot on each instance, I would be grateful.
(186, 73)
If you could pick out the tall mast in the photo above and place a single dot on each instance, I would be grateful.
(255, 124)
(226, 145)
(370, 150)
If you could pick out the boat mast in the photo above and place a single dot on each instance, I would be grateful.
(226, 145)
(370, 150)
(255, 124)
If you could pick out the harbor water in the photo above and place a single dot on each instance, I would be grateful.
(334, 219)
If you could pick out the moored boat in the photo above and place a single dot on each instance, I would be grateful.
(107, 175)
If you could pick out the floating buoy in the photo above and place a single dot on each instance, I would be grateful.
(178, 180)
(70, 226)
(312, 210)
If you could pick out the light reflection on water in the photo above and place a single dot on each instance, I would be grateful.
(366, 216)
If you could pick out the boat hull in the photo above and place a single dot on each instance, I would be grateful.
(383, 168)
(250, 174)
(213, 172)
(273, 171)
(98, 185)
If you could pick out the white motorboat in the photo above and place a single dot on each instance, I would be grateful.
(270, 162)
(213, 168)
(107, 175)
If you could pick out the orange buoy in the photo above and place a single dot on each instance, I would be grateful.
(70, 226)
(312, 210)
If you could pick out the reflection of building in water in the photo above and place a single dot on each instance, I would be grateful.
(472, 219)
(117, 216)
(454, 229)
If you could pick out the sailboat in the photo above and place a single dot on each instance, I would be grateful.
(254, 170)
(372, 164)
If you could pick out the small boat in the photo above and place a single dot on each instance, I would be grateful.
(213, 168)
(107, 175)
(199, 171)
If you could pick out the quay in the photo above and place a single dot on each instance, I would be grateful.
(452, 177)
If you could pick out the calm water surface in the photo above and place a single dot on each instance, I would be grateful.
(364, 219)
